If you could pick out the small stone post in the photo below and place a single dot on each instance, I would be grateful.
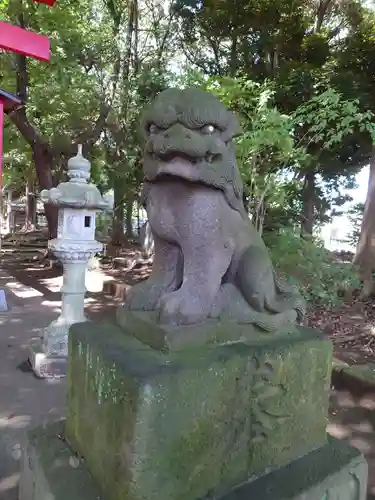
(78, 203)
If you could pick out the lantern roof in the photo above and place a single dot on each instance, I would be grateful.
(77, 192)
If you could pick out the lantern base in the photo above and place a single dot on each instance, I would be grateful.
(46, 365)
(48, 355)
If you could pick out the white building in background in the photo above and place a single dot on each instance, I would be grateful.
(335, 233)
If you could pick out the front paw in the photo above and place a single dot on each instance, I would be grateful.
(181, 308)
(144, 296)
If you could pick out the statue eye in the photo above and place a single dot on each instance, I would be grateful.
(208, 129)
(153, 129)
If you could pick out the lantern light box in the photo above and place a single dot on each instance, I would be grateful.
(76, 224)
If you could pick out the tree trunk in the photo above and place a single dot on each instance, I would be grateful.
(129, 218)
(43, 163)
(307, 225)
(233, 61)
(8, 213)
(117, 237)
(30, 209)
(365, 253)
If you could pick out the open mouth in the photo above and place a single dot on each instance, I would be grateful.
(172, 157)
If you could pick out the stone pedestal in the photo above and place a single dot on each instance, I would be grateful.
(188, 423)
(336, 471)
(244, 420)
(74, 246)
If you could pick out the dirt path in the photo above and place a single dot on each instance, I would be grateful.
(24, 400)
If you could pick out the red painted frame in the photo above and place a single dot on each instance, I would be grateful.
(27, 43)
(1, 143)
(50, 3)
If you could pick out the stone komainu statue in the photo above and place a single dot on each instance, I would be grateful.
(210, 262)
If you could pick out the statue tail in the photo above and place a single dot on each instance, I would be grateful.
(286, 297)
(275, 322)
(263, 290)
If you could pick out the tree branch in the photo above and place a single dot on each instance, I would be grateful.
(321, 12)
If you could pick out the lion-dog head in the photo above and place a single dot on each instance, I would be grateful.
(189, 135)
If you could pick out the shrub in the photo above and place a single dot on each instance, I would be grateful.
(321, 276)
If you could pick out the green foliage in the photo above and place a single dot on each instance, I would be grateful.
(320, 275)
(327, 118)
(276, 148)
(64, 96)
(318, 57)
(267, 143)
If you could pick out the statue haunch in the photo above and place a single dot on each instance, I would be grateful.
(209, 262)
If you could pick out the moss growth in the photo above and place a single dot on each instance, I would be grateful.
(196, 421)
(47, 472)
(365, 373)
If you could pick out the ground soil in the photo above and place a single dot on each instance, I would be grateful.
(351, 327)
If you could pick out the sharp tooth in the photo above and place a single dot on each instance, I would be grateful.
(209, 158)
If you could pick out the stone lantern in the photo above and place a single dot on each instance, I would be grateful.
(78, 202)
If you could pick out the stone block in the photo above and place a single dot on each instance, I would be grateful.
(196, 421)
(334, 472)
(363, 373)
(50, 470)
(46, 365)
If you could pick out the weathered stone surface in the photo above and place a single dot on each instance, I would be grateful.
(197, 421)
(50, 471)
(334, 472)
(74, 245)
(143, 326)
(210, 262)
(364, 373)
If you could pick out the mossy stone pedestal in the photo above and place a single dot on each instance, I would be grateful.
(171, 421)
(336, 471)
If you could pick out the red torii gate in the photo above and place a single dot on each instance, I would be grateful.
(25, 42)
